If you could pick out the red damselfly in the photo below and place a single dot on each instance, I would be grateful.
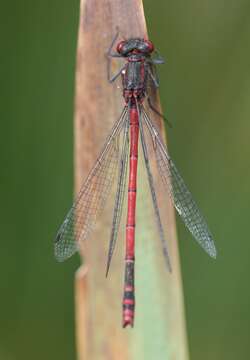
(138, 75)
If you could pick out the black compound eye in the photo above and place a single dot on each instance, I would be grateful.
(121, 47)
(139, 45)
(149, 45)
(145, 46)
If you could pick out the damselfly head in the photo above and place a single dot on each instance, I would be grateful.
(141, 46)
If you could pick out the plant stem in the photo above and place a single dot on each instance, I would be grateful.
(159, 331)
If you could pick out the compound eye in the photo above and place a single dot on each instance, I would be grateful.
(150, 46)
(120, 47)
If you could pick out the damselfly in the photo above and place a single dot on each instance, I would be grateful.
(138, 74)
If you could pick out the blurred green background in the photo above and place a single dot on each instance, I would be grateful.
(205, 92)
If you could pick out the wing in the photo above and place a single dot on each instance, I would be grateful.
(119, 195)
(181, 196)
(91, 199)
(154, 198)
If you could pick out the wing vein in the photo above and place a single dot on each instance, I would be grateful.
(179, 193)
(91, 199)
(153, 195)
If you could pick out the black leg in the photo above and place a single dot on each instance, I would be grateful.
(158, 59)
(110, 55)
(158, 113)
(153, 77)
(114, 77)
(109, 52)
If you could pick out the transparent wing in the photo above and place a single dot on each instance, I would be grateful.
(181, 196)
(81, 218)
(154, 198)
(122, 176)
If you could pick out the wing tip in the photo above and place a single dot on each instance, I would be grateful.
(214, 254)
(63, 252)
(212, 251)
